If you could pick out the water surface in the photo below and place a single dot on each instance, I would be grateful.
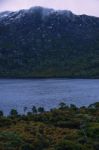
(18, 93)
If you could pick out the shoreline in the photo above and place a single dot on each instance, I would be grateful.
(66, 78)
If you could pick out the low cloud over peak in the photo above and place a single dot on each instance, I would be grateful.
(90, 7)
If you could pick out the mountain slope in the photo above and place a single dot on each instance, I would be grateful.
(41, 42)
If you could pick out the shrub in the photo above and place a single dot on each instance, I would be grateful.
(68, 145)
(27, 146)
(10, 140)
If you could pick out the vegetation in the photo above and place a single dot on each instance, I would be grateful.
(62, 128)
(61, 44)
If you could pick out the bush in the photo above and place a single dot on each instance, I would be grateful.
(68, 145)
(27, 146)
(10, 141)
(68, 124)
(93, 132)
(5, 122)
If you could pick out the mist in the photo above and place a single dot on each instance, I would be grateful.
(90, 7)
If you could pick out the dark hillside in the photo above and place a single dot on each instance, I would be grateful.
(41, 42)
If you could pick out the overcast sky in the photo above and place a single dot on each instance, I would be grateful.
(90, 7)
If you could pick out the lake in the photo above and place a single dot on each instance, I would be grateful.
(18, 93)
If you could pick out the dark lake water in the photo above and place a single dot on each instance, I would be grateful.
(18, 93)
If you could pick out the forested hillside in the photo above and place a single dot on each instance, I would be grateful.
(42, 42)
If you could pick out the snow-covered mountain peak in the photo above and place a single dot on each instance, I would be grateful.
(43, 11)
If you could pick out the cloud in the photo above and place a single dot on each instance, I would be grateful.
(90, 7)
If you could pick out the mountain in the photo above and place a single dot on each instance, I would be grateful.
(41, 42)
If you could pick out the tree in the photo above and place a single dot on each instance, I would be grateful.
(34, 110)
(41, 109)
(13, 113)
(94, 106)
(1, 113)
(62, 105)
(29, 113)
(72, 106)
(25, 109)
